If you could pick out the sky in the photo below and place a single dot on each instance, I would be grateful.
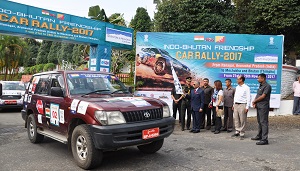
(81, 8)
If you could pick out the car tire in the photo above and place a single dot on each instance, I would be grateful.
(160, 67)
(33, 136)
(151, 147)
(83, 149)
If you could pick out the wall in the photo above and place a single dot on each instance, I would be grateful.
(288, 77)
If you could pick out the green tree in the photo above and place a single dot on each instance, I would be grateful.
(54, 53)
(97, 14)
(32, 52)
(117, 19)
(65, 52)
(44, 49)
(195, 16)
(77, 55)
(141, 21)
(273, 17)
(11, 53)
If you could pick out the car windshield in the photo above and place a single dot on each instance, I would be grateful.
(95, 83)
(13, 86)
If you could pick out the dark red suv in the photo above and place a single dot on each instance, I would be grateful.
(92, 112)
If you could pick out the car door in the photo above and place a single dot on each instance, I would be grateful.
(37, 96)
(57, 106)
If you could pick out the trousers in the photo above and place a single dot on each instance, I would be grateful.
(263, 122)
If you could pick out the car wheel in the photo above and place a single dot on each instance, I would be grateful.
(152, 147)
(160, 67)
(84, 152)
(33, 136)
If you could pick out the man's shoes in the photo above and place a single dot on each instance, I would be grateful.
(196, 131)
(188, 128)
(223, 129)
(265, 142)
(208, 127)
(256, 138)
(229, 130)
(216, 132)
(192, 131)
(182, 129)
(242, 137)
(235, 135)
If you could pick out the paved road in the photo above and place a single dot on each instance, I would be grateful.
(182, 151)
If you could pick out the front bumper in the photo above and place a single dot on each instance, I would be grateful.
(117, 136)
(11, 106)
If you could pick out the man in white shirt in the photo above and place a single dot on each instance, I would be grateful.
(241, 103)
(296, 89)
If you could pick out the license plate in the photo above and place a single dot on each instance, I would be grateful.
(150, 133)
(10, 102)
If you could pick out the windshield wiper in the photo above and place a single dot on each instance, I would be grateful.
(94, 92)
(119, 91)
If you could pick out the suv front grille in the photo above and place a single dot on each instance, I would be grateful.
(143, 115)
(7, 97)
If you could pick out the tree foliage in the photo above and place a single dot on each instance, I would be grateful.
(141, 21)
(32, 50)
(65, 52)
(44, 49)
(272, 17)
(77, 55)
(11, 54)
(97, 14)
(54, 53)
(195, 16)
(117, 19)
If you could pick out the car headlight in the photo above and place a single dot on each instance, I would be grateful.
(109, 117)
(166, 111)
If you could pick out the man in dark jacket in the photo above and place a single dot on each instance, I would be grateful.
(208, 91)
(186, 104)
(197, 104)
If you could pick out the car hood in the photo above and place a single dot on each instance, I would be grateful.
(124, 104)
(13, 92)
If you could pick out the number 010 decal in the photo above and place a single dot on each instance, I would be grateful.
(54, 114)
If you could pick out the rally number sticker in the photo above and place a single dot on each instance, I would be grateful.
(54, 114)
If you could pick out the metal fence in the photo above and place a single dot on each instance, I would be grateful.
(126, 78)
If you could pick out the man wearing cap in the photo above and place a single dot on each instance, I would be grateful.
(186, 104)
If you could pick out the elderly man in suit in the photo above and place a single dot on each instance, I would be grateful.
(197, 104)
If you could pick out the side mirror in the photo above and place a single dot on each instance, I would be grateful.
(130, 89)
(57, 92)
(0, 89)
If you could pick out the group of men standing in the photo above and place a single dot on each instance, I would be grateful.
(205, 102)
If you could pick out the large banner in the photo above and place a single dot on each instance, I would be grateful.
(28, 21)
(215, 56)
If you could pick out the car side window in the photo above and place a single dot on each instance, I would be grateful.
(43, 84)
(57, 81)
